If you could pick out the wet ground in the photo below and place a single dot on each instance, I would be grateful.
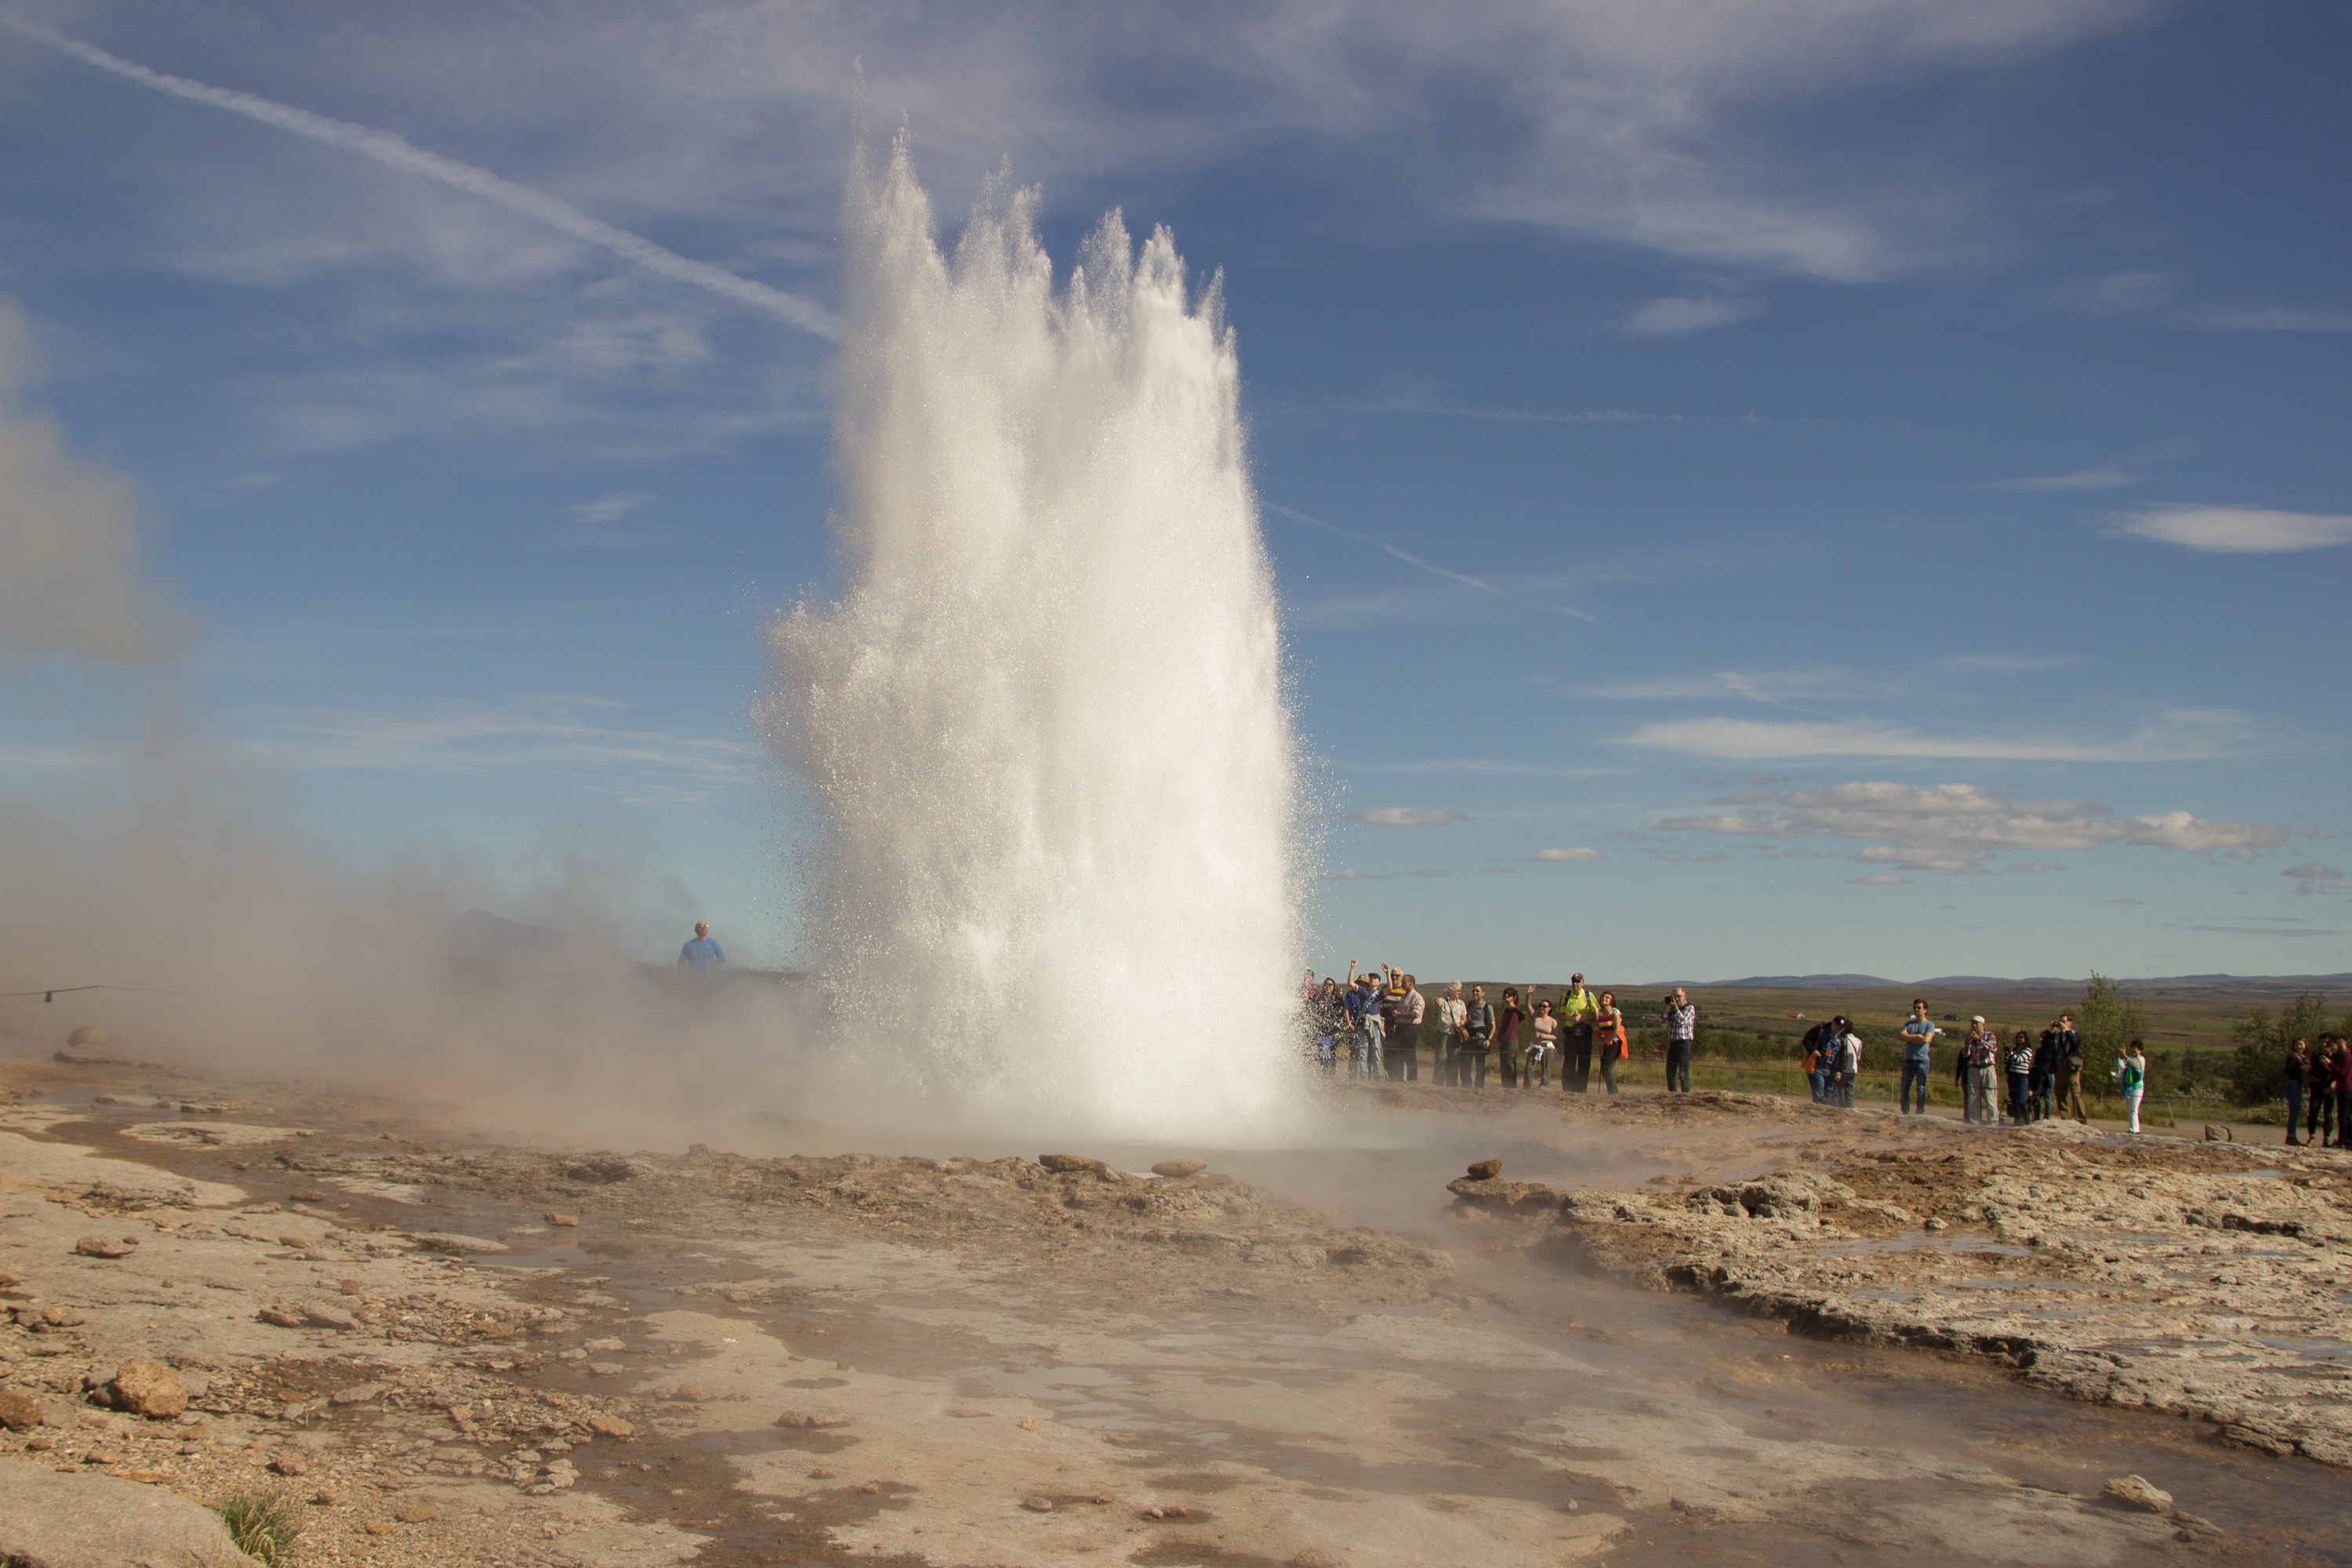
(1303, 1356)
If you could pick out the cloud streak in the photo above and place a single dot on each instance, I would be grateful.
(1960, 827)
(1405, 816)
(393, 151)
(1480, 583)
(2183, 735)
(2238, 529)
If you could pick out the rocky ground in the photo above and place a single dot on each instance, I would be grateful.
(448, 1351)
(2211, 1280)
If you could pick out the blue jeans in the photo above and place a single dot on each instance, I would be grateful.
(1913, 1072)
(1678, 1058)
(1821, 1078)
(2293, 1109)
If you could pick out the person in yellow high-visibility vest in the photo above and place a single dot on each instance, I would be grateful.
(1575, 1013)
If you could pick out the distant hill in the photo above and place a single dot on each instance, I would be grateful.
(1814, 982)
(2247, 984)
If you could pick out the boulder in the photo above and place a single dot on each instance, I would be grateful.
(1073, 1162)
(1485, 1170)
(88, 1035)
(147, 1388)
(50, 1520)
(805, 1419)
(106, 1246)
(18, 1412)
(2139, 1492)
(1180, 1168)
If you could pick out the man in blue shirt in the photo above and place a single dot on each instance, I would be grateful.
(701, 955)
(1918, 1035)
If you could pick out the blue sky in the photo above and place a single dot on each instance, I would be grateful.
(1755, 488)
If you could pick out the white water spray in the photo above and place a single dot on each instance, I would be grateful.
(1046, 720)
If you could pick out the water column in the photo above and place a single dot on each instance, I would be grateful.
(1045, 720)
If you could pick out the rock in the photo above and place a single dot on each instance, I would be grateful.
(147, 1388)
(323, 1498)
(50, 1520)
(1180, 1168)
(2219, 1134)
(601, 1347)
(567, 1221)
(1036, 1504)
(821, 1417)
(105, 1247)
(1310, 1558)
(822, 1474)
(697, 1393)
(1028, 1424)
(288, 1463)
(357, 1393)
(87, 1035)
(325, 1315)
(350, 1287)
(102, 1457)
(415, 1513)
(2139, 1492)
(1076, 1163)
(17, 1413)
(607, 1368)
(1485, 1170)
(610, 1427)
(279, 1317)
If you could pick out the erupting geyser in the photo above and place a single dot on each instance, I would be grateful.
(1046, 720)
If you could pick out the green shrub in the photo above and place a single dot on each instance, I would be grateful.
(263, 1525)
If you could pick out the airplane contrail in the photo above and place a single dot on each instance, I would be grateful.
(395, 153)
(1432, 567)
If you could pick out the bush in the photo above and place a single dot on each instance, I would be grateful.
(2258, 1066)
(262, 1525)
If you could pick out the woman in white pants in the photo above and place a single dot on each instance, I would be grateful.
(2131, 1077)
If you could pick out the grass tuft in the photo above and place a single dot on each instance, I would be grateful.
(263, 1526)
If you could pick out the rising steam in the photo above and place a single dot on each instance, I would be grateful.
(1045, 720)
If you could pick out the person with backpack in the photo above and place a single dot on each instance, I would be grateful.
(2041, 1083)
(1977, 1049)
(1609, 1038)
(1849, 1063)
(1478, 1036)
(2131, 1077)
(2068, 1046)
(1818, 1070)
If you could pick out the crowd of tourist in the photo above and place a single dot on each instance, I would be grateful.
(1378, 1024)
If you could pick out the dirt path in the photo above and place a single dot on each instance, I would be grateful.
(458, 1351)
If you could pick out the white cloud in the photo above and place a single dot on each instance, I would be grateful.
(1579, 853)
(1765, 686)
(2094, 479)
(2183, 735)
(1678, 316)
(70, 585)
(1405, 816)
(1882, 880)
(2238, 529)
(1961, 827)
(1426, 872)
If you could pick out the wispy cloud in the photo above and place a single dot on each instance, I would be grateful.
(1961, 827)
(2157, 294)
(600, 524)
(2183, 735)
(1882, 880)
(1581, 852)
(384, 147)
(551, 734)
(1766, 686)
(1680, 315)
(2313, 877)
(2009, 663)
(1464, 578)
(2238, 529)
(1482, 765)
(1405, 816)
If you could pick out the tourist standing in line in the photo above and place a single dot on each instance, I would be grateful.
(1510, 1025)
(1363, 1024)
(2298, 1070)
(2319, 1117)
(1405, 1034)
(2020, 1077)
(1978, 1048)
(1477, 1037)
(1452, 1034)
(1849, 1063)
(1918, 1038)
(1575, 1013)
(1609, 1036)
(1544, 1046)
(2044, 1076)
(2131, 1077)
(2343, 1091)
(1820, 1071)
(2070, 1069)
(1682, 1040)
